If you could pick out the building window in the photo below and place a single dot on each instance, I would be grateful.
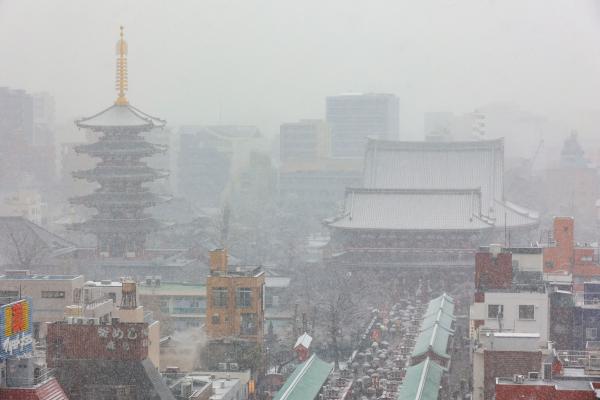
(9, 293)
(527, 311)
(248, 325)
(495, 311)
(220, 297)
(591, 333)
(244, 297)
(216, 320)
(53, 294)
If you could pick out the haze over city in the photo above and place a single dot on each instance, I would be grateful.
(300, 200)
(263, 62)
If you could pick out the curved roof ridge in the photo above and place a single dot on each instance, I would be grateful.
(120, 116)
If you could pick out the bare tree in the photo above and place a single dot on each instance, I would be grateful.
(21, 246)
(337, 297)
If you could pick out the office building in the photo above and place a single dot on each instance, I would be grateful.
(354, 117)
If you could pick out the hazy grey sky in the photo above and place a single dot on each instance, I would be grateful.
(265, 62)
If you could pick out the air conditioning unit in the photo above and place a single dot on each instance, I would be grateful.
(79, 321)
(93, 321)
(104, 254)
(534, 375)
(222, 366)
(69, 320)
(234, 367)
(518, 378)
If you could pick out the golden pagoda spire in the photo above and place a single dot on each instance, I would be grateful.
(121, 71)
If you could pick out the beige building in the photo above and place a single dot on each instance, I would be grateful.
(49, 294)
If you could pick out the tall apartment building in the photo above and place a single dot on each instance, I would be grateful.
(354, 117)
(235, 310)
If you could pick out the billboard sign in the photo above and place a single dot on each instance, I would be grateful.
(16, 337)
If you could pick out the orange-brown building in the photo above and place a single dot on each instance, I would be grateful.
(234, 315)
(235, 308)
(566, 255)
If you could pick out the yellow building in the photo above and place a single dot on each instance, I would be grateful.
(235, 308)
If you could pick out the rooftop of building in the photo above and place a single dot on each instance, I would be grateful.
(422, 381)
(240, 271)
(426, 210)
(277, 281)
(173, 289)
(306, 380)
(26, 275)
(422, 165)
(559, 384)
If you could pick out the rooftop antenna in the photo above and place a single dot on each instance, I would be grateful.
(121, 79)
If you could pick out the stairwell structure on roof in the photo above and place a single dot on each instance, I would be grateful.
(121, 223)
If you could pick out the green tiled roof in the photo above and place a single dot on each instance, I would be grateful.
(440, 318)
(436, 327)
(306, 380)
(444, 302)
(434, 339)
(422, 381)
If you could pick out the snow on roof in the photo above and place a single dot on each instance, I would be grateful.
(412, 210)
(277, 281)
(304, 340)
(120, 116)
(432, 186)
(515, 335)
(435, 165)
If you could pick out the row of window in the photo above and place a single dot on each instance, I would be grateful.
(526, 311)
(248, 323)
(46, 294)
(220, 297)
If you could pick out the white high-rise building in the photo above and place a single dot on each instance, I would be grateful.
(356, 116)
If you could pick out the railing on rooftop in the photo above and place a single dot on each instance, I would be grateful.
(589, 360)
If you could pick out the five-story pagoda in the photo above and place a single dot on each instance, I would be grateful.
(120, 224)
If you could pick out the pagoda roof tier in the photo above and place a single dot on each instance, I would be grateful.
(121, 116)
(104, 199)
(127, 172)
(107, 225)
(105, 147)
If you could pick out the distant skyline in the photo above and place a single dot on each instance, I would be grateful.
(267, 62)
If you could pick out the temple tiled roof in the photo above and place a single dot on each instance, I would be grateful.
(436, 327)
(125, 116)
(306, 380)
(443, 302)
(422, 381)
(400, 209)
(435, 169)
(434, 339)
(435, 165)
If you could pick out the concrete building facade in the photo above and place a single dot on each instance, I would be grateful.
(355, 116)
(50, 294)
